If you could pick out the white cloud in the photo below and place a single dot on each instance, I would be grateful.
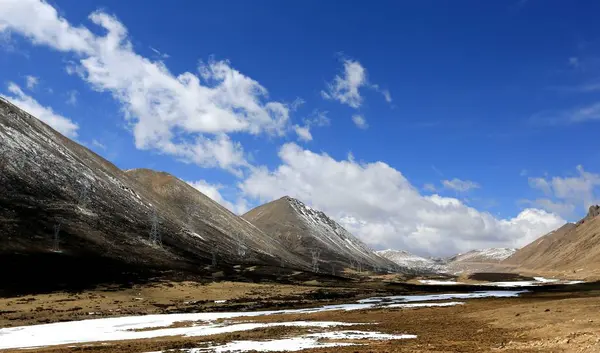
(541, 184)
(378, 204)
(460, 185)
(565, 195)
(303, 132)
(561, 208)
(31, 82)
(384, 92)
(345, 88)
(60, 123)
(214, 192)
(181, 115)
(387, 95)
(72, 97)
(211, 152)
(160, 54)
(429, 187)
(98, 144)
(360, 121)
(578, 115)
(316, 118)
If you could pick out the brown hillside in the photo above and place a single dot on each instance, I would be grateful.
(572, 247)
(231, 236)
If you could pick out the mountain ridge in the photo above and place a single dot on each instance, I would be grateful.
(307, 231)
(571, 248)
(67, 214)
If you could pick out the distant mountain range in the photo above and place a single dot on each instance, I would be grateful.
(489, 255)
(412, 262)
(460, 262)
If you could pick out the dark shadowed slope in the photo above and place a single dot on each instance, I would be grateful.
(571, 247)
(67, 214)
(315, 236)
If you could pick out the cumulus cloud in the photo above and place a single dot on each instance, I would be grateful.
(360, 121)
(460, 185)
(345, 87)
(181, 114)
(58, 122)
(566, 195)
(214, 192)
(31, 82)
(377, 203)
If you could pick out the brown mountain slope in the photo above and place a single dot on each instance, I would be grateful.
(309, 232)
(68, 216)
(231, 236)
(573, 247)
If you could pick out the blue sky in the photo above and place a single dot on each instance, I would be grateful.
(476, 120)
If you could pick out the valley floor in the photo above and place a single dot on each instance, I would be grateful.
(566, 320)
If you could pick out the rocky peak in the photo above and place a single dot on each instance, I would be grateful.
(593, 211)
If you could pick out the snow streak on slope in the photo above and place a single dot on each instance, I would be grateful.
(307, 231)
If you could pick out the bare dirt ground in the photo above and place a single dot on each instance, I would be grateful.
(561, 320)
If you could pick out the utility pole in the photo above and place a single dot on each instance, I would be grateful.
(154, 233)
(315, 259)
(56, 239)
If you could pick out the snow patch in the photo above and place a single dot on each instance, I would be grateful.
(310, 341)
(545, 280)
(439, 283)
(137, 327)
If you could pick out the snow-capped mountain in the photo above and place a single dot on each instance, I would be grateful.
(412, 261)
(490, 255)
(474, 260)
(313, 235)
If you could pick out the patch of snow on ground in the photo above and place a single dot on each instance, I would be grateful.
(118, 329)
(359, 335)
(511, 284)
(424, 305)
(436, 282)
(309, 341)
(545, 280)
(445, 296)
(127, 328)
